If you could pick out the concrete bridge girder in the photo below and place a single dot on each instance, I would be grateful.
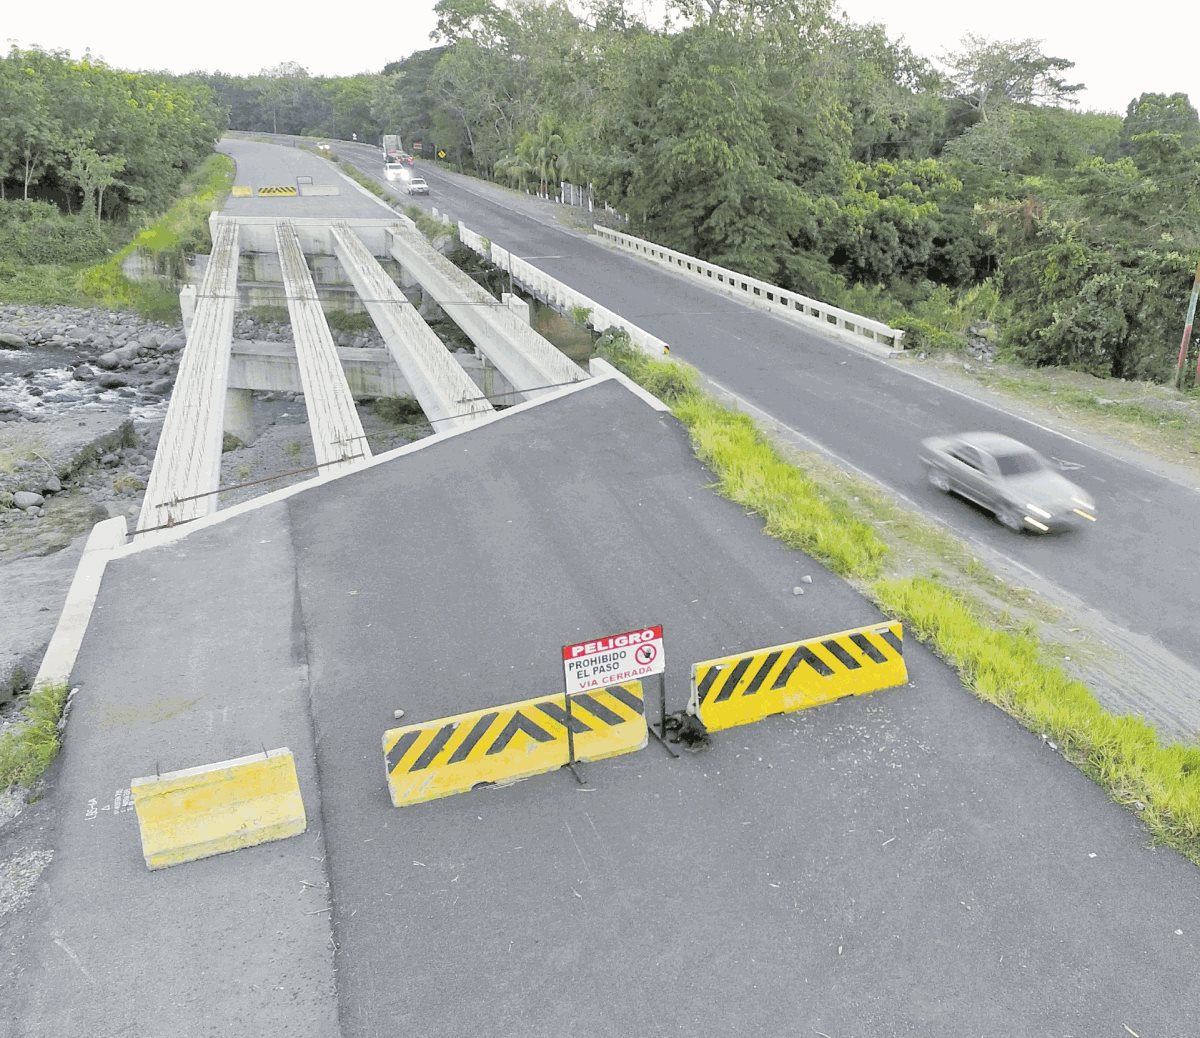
(527, 360)
(448, 397)
(187, 465)
(333, 422)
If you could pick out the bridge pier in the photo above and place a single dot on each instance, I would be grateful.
(239, 414)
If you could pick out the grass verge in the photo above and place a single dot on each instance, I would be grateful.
(182, 229)
(28, 748)
(1001, 661)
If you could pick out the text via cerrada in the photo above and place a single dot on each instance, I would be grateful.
(608, 661)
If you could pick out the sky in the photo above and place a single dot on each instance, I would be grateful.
(1150, 47)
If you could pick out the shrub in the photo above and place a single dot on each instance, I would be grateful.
(28, 748)
(33, 233)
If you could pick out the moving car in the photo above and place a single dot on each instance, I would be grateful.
(1012, 481)
(395, 171)
(417, 186)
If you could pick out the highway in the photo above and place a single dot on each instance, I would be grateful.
(1136, 566)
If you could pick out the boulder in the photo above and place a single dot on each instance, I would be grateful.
(11, 341)
(52, 485)
(110, 381)
(83, 373)
(27, 499)
(108, 361)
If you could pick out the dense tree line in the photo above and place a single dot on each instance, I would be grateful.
(98, 141)
(777, 137)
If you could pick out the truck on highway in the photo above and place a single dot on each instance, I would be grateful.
(392, 148)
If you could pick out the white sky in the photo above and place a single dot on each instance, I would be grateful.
(1152, 46)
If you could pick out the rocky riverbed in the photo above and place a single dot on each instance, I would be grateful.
(83, 394)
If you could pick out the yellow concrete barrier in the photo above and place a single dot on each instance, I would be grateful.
(281, 189)
(506, 743)
(749, 686)
(199, 812)
(241, 191)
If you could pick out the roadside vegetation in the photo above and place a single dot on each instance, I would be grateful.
(963, 197)
(162, 246)
(97, 163)
(30, 746)
(916, 574)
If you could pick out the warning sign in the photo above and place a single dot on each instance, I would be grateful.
(608, 661)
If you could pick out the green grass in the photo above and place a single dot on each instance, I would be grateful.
(350, 321)
(374, 186)
(182, 229)
(997, 657)
(128, 484)
(1122, 753)
(399, 410)
(1044, 391)
(28, 748)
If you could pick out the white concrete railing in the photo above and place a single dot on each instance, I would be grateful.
(770, 297)
(558, 295)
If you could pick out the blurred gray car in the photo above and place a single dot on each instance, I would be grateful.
(1012, 481)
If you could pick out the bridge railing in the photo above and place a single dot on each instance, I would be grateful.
(770, 297)
(562, 297)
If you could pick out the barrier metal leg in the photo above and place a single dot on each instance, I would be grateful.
(571, 742)
(661, 734)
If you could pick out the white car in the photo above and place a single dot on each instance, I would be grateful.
(417, 186)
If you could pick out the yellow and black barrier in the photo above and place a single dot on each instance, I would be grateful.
(749, 686)
(199, 812)
(281, 189)
(505, 743)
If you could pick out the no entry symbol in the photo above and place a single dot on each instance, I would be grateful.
(645, 654)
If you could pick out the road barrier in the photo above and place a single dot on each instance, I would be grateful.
(281, 189)
(558, 295)
(746, 687)
(761, 293)
(505, 743)
(199, 812)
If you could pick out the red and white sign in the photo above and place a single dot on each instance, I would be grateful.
(609, 661)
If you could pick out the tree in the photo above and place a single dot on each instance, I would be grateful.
(988, 75)
(94, 173)
(1163, 114)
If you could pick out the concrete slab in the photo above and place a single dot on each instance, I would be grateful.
(194, 655)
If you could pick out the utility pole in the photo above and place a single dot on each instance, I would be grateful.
(1187, 333)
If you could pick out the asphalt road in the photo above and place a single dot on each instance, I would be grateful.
(909, 863)
(1137, 566)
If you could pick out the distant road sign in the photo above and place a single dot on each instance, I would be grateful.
(602, 662)
(441, 154)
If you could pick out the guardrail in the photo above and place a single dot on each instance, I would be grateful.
(555, 293)
(769, 297)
